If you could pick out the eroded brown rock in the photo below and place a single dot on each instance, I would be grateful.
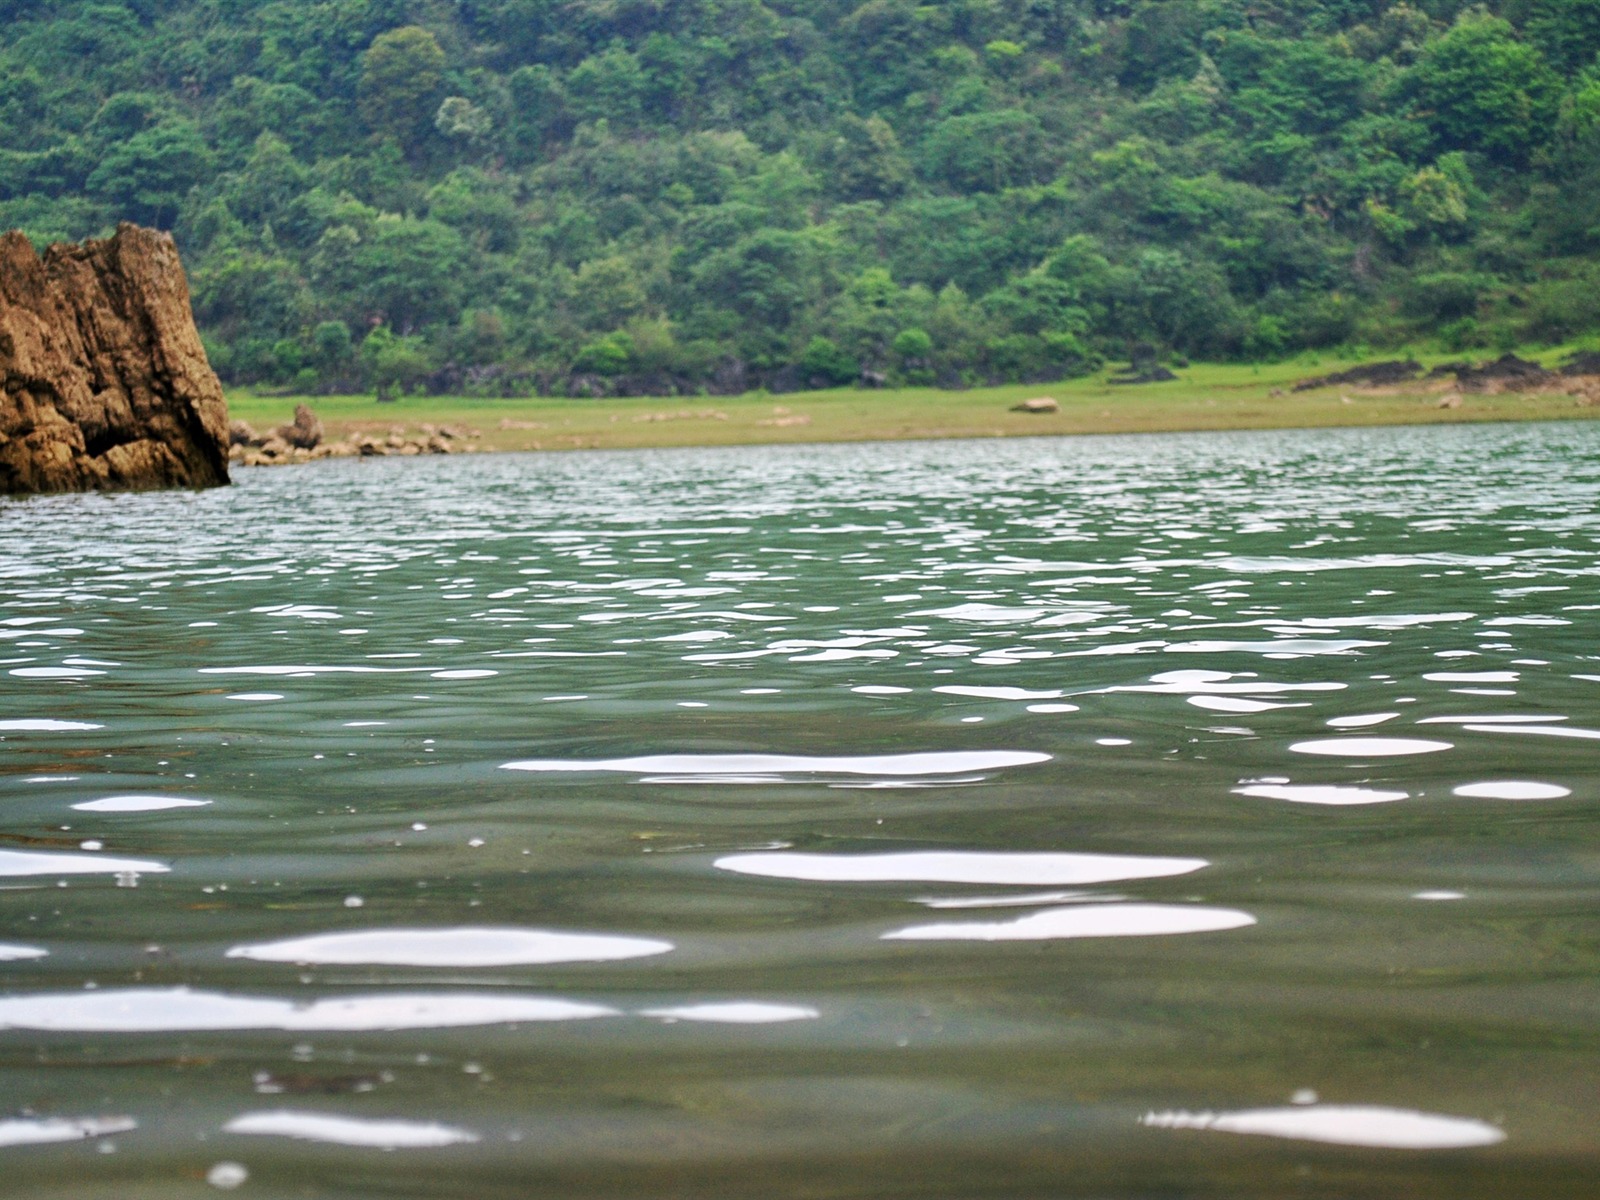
(305, 431)
(103, 380)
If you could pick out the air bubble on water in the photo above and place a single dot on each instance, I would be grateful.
(475, 842)
(353, 901)
(418, 826)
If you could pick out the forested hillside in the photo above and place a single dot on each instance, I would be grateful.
(593, 196)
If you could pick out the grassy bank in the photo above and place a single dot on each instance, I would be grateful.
(1205, 397)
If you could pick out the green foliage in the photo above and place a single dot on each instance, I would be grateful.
(394, 363)
(608, 355)
(147, 175)
(742, 193)
(1480, 88)
(987, 151)
(402, 74)
(823, 362)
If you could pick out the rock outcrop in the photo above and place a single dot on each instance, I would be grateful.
(1388, 373)
(103, 381)
(305, 431)
(303, 441)
(1038, 404)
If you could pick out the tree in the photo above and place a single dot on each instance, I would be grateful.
(413, 272)
(986, 151)
(1480, 88)
(864, 160)
(402, 81)
(394, 363)
(146, 177)
(609, 86)
(461, 120)
(823, 364)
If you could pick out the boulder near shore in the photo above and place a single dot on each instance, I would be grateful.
(103, 381)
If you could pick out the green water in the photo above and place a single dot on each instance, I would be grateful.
(1196, 816)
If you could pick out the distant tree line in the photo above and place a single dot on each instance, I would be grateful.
(599, 196)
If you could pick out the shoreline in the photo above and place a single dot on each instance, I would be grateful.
(1206, 398)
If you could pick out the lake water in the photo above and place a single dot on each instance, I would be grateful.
(1191, 816)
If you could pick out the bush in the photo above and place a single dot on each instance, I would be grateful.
(1562, 309)
(823, 361)
(1445, 295)
(608, 355)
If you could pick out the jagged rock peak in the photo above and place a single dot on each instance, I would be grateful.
(103, 381)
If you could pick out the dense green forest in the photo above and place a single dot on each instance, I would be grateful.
(600, 196)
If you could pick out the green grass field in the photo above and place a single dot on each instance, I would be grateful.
(1205, 397)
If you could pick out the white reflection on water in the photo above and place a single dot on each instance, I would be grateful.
(28, 862)
(737, 1012)
(935, 763)
(1361, 720)
(350, 1131)
(1369, 747)
(958, 866)
(1496, 719)
(122, 804)
(1237, 704)
(1200, 681)
(1084, 921)
(453, 948)
(997, 693)
(43, 725)
(33, 1131)
(1311, 793)
(1344, 1125)
(296, 671)
(1560, 731)
(1278, 647)
(13, 953)
(1513, 789)
(176, 1010)
(1024, 900)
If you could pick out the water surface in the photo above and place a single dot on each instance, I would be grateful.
(1190, 816)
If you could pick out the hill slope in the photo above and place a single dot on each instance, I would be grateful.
(593, 196)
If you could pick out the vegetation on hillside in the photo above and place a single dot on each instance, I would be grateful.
(600, 196)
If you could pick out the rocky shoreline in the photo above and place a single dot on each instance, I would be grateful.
(302, 441)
